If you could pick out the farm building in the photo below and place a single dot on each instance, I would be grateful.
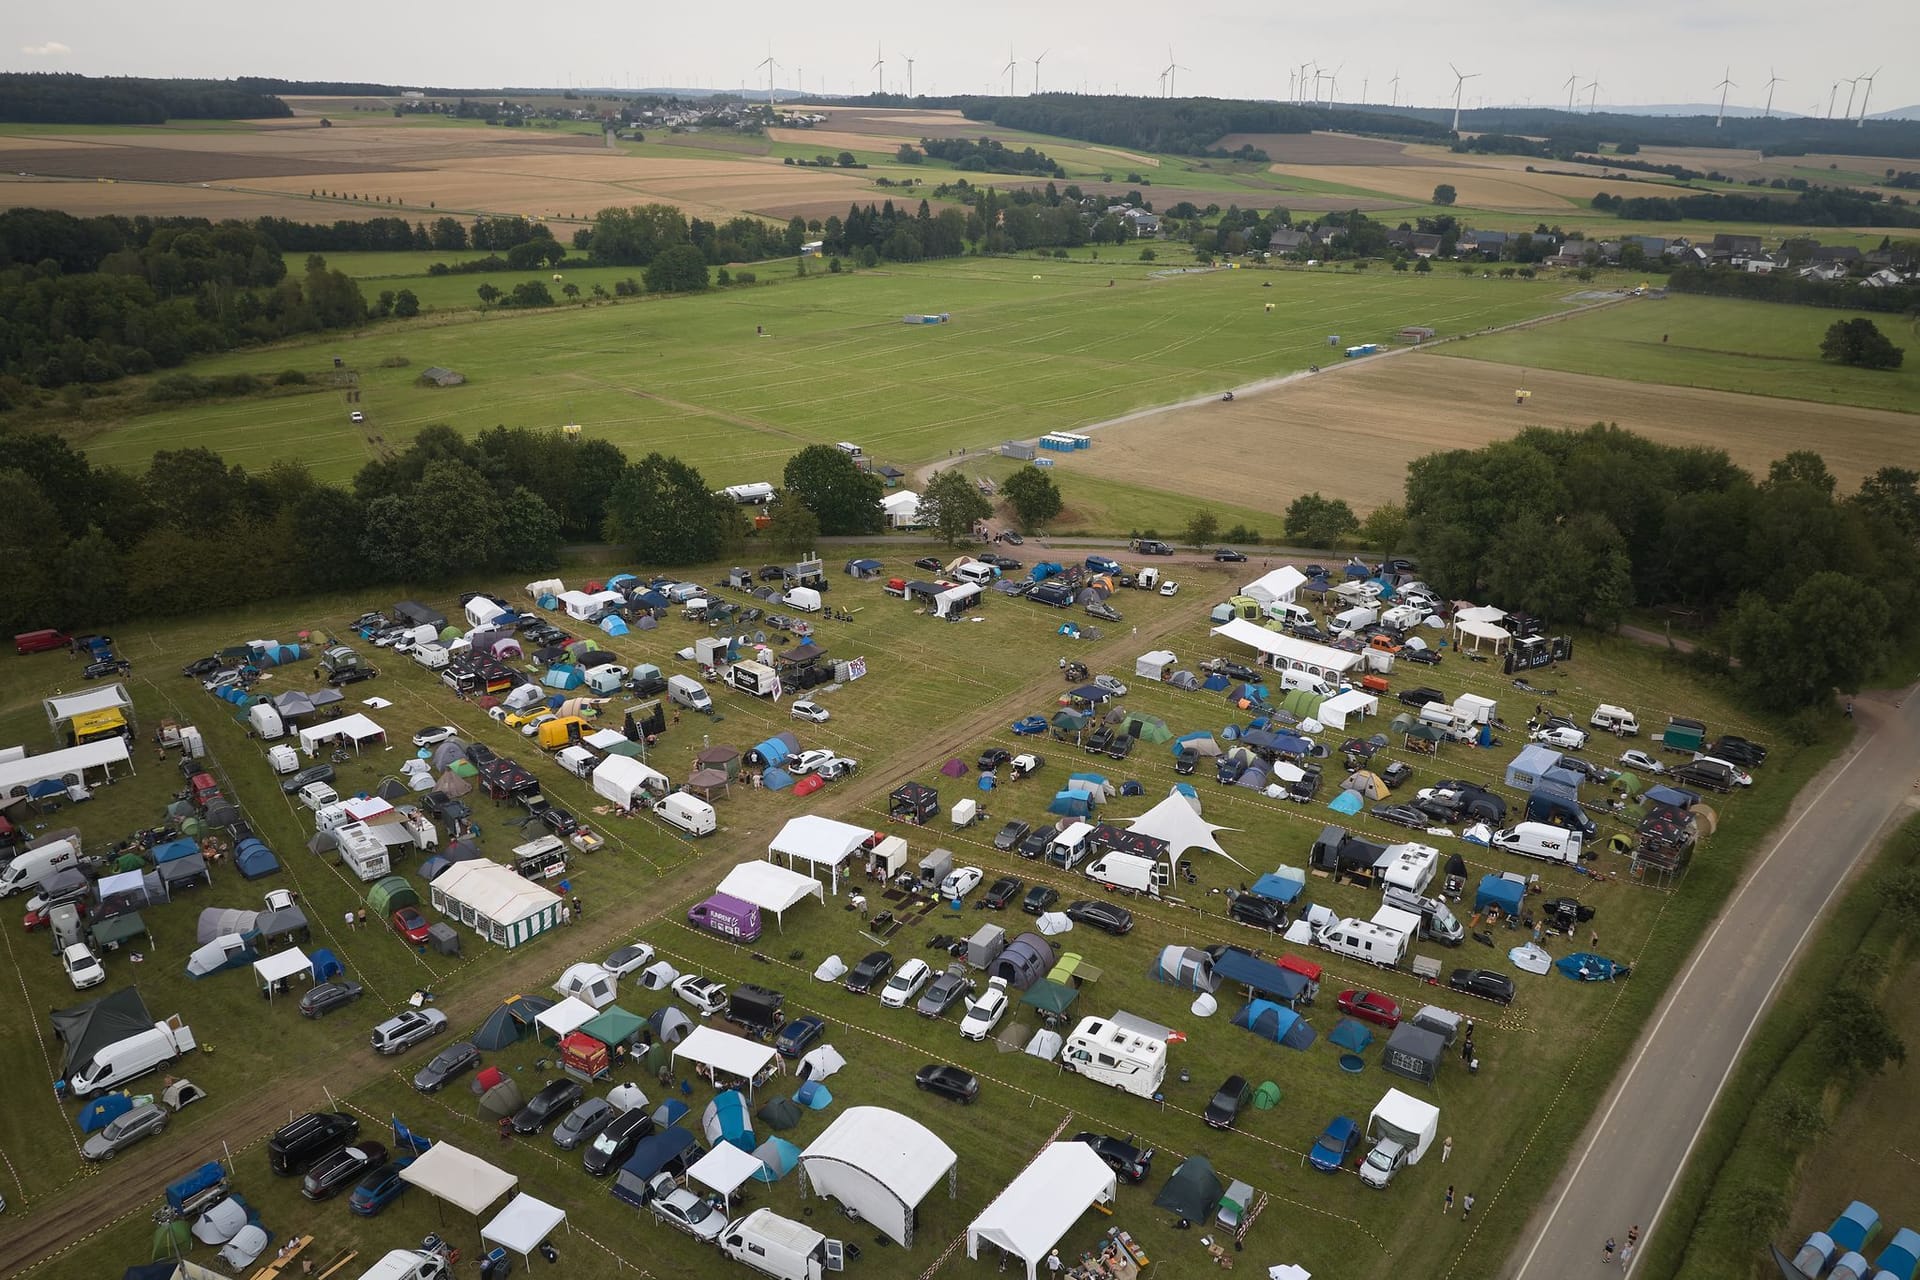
(439, 377)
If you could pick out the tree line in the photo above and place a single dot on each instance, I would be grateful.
(1181, 126)
(1807, 589)
(989, 155)
(1779, 136)
(58, 98)
(1785, 286)
(1814, 207)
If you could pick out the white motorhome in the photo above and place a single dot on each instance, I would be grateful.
(1130, 871)
(1540, 840)
(781, 1247)
(1402, 1128)
(27, 870)
(361, 851)
(1410, 866)
(127, 1059)
(689, 813)
(1614, 719)
(689, 693)
(1437, 920)
(1364, 940)
(1108, 1053)
(1447, 721)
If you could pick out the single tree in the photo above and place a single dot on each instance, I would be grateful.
(1860, 343)
(406, 304)
(1034, 496)
(831, 485)
(1858, 1035)
(1319, 522)
(1385, 528)
(681, 269)
(572, 291)
(488, 295)
(794, 530)
(1202, 528)
(1445, 194)
(951, 505)
(665, 510)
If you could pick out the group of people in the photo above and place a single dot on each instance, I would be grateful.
(1625, 1250)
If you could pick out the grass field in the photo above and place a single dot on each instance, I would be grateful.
(1020, 357)
(1757, 348)
(959, 689)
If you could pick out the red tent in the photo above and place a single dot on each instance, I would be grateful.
(808, 785)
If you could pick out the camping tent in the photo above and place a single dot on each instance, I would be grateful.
(510, 1023)
(614, 1026)
(523, 1225)
(1276, 1023)
(819, 842)
(879, 1164)
(495, 901)
(1192, 1191)
(555, 1021)
(1025, 962)
(726, 1122)
(770, 887)
(820, 1062)
(669, 1025)
(1028, 1218)
(462, 1180)
(1186, 967)
(588, 982)
(1157, 665)
(1497, 890)
(1414, 1052)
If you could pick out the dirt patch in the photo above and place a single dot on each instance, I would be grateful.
(1319, 148)
(1128, 156)
(1364, 423)
(142, 164)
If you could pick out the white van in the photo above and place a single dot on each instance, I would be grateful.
(30, 868)
(689, 813)
(1306, 681)
(781, 1247)
(1352, 621)
(689, 693)
(980, 575)
(1540, 840)
(1612, 719)
(409, 1264)
(1364, 940)
(1071, 845)
(1288, 614)
(124, 1060)
(433, 656)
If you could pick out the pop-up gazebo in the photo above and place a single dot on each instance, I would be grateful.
(523, 1225)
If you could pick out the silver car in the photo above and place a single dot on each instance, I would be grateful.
(124, 1130)
(404, 1030)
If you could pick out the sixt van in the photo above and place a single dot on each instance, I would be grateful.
(1540, 840)
(30, 868)
(689, 813)
(1612, 719)
(1307, 682)
(781, 1247)
(689, 693)
(1364, 940)
(1106, 1052)
(728, 916)
(124, 1060)
(1130, 871)
(1436, 920)
(409, 1264)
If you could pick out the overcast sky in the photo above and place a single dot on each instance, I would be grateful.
(1667, 53)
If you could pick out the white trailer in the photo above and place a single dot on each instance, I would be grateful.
(362, 851)
(1402, 1128)
(1107, 1053)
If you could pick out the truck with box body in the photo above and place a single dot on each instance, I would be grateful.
(1131, 872)
(1402, 1128)
(781, 1248)
(1108, 1053)
(727, 916)
(756, 678)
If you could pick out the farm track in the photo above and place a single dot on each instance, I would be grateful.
(129, 1184)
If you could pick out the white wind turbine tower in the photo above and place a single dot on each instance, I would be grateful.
(909, 61)
(880, 67)
(1396, 90)
(1036, 69)
(1853, 87)
(1723, 86)
(1832, 94)
(1163, 83)
(1172, 67)
(1009, 70)
(1593, 96)
(1863, 99)
(1301, 100)
(1459, 83)
(769, 66)
(1772, 80)
(1572, 80)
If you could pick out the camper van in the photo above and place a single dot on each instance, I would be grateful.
(1307, 682)
(30, 868)
(1411, 866)
(727, 916)
(689, 813)
(781, 1247)
(1130, 871)
(1540, 840)
(1404, 617)
(266, 722)
(1071, 845)
(409, 1264)
(1364, 940)
(1612, 719)
(689, 693)
(980, 575)
(124, 1060)
(1436, 920)
(1107, 1053)
(1447, 720)
(434, 656)
(850, 449)
(756, 678)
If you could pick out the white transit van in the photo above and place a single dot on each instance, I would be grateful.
(1307, 681)
(689, 813)
(30, 868)
(1288, 614)
(124, 1060)
(980, 575)
(1364, 940)
(689, 693)
(409, 1264)
(781, 1247)
(1612, 719)
(1540, 840)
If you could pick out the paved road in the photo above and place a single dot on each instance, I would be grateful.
(1626, 1163)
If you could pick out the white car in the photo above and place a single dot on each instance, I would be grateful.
(280, 900)
(357, 416)
(1169, 588)
(807, 761)
(435, 735)
(805, 710)
(1641, 762)
(1561, 736)
(628, 959)
(83, 967)
(687, 1210)
(532, 726)
(960, 882)
(1112, 684)
(984, 1013)
(905, 984)
(704, 994)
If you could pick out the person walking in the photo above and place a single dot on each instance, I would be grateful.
(1448, 1206)
(1606, 1252)
(1626, 1255)
(1466, 1207)
(579, 912)
(1446, 1149)
(1633, 1234)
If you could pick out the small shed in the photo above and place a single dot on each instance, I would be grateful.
(441, 377)
(1414, 1051)
(985, 946)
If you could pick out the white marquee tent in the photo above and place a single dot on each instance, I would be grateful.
(1288, 653)
(880, 1164)
(523, 1224)
(1029, 1217)
(1336, 711)
(17, 775)
(462, 1180)
(1278, 585)
(356, 728)
(818, 842)
(724, 1168)
(724, 1053)
(770, 887)
(625, 781)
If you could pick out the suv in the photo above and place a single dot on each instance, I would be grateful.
(404, 1030)
(305, 1139)
(1496, 987)
(1122, 1156)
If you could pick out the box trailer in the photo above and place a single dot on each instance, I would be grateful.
(756, 678)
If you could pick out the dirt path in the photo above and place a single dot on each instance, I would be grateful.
(129, 1184)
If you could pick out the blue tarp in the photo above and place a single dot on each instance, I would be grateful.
(1584, 966)
(405, 1139)
(619, 581)
(1276, 1023)
(1262, 976)
(101, 1111)
(210, 1174)
(1279, 888)
(46, 787)
(1498, 892)
(1044, 570)
(173, 849)
(650, 600)
(1091, 694)
(1070, 804)
(726, 1120)
(656, 1151)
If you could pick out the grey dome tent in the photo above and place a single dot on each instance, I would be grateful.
(1025, 962)
(511, 1023)
(1185, 967)
(670, 1026)
(1192, 1191)
(502, 1099)
(780, 1113)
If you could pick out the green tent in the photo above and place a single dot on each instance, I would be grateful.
(130, 862)
(194, 827)
(1148, 728)
(448, 634)
(172, 1240)
(465, 768)
(1267, 1096)
(1301, 703)
(1050, 997)
(389, 895)
(614, 1026)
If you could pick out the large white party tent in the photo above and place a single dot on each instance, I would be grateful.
(881, 1165)
(818, 842)
(1038, 1207)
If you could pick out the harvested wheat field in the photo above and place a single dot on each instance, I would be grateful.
(1350, 431)
(1479, 186)
(1320, 148)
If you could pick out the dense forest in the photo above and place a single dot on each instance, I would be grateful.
(1814, 207)
(1785, 286)
(55, 98)
(1779, 136)
(1180, 126)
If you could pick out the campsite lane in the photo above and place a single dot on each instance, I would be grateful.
(1628, 1160)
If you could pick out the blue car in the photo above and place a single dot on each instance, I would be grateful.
(1335, 1143)
(798, 1034)
(379, 1189)
(1028, 725)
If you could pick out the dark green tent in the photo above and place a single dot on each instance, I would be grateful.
(614, 1026)
(1192, 1191)
(781, 1113)
(1050, 997)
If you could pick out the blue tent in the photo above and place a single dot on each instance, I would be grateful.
(774, 778)
(548, 602)
(1345, 802)
(650, 599)
(986, 782)
(253, 859)
(325, 965)
(173, 849)
(1070, 804)
(100, 1112)
(1198, 735)
(774, 750)
(669, 1113)
(1386, 588)
(1253, 778)
(431, 868)
(1186, 789)
(1497, 891)
(614, 625)
(405, 1139)
(1351, 1035)
(619, 581)
(1901, 1256)
(777, 1159)
(1276, 1023)
(1214, 683)
(1096, 779)
(814, 1096)
(726, 1120)
(561, 678)
(1044, 570)
(1262, 977)
(1279, 888)
(1584, 966)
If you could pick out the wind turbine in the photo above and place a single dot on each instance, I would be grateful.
(1459, 82)
(1853, 86)
(1772, 80)
(1302, 99)
(1863, 99)
(1723, 86)
(1593, 96)
(909, 62)
(1333, 84)
(769, 65)
(1036, 69)
(1831, 95)
(1009, 70)
(1396, 90)
(879, 66)
(1572, 80)
(1172, 67)
(1290, 83)
(1163, 84)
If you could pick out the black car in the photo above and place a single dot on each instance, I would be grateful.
(559, 821)
(1227, 555)
(1258, 911)
(1005, 563)
(352, 675)
(1738, 750)
(1039, 898)
(992, 758)
(480, 755)
(613, 1144)
(1306, 787)
(543, 1106)
(1121, 747)
(1034, 843)
(337, 1170)
(1008, 838)
(1002, 891)
(1186, 760)
(1399, 564)
(872, 969)
(1497, 987)
(1104, 916)
(648, 684)
(1402, 815)
(200, 668)
(318, 1002)
(1425, 657)
(1421, 696)
(106, 667)
(453, 1061)
(771, 573)
(1235, 671)
(1009, 536)
(1396, 774)
(929, 563)
(1098, 741)
(1307, 631)
(1228, 1101)
(306, 777)
(1120, 1154)
(947, 1081)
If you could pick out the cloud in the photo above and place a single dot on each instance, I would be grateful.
(51, 49)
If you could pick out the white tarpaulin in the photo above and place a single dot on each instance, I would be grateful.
(523, 1224)
(717, 1050)
(17, 775)
(724, 1168)
(770, 887)
(818, 842)
(880, 1164)
(569, 1015)
(356, 728)
(1338, 709)
(1177, 820)
(1038, 1207)
(462, 1180)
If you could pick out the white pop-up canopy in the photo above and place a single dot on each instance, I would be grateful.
(1037, 1208)
(462, 1180)
(770, 887)
(523, 1224)
(719, 1051)
(724, 1168)
(356, 728)
(569, 1015)
(17, 775)
(1336, 711)
(281, 965)
(880, 1164)
(1276, 586)
(818, 842)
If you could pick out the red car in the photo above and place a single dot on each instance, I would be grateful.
(1371, 1006)
(413, 926)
